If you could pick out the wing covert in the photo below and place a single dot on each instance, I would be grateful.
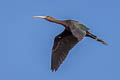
(77, 29)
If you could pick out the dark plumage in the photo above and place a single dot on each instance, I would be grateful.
(65, 41)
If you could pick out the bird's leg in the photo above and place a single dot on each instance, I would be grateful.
(88, 34)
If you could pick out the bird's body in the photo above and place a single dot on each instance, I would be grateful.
(65, 41)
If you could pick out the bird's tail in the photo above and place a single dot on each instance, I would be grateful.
(88, 34)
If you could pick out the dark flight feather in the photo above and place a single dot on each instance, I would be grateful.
(63, 43)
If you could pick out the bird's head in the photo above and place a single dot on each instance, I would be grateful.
(49, 18)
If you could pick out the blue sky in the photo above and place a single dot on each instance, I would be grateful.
(26, 43)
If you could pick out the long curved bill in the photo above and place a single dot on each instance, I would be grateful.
(39, 17)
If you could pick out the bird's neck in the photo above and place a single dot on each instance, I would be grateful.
(58, 22)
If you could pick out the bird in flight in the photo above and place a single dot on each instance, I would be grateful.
(73, 33)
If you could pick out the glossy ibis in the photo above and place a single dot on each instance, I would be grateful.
(73, 33)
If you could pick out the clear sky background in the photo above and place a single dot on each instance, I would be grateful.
(26, 43)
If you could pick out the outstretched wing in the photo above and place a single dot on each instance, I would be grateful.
(62, 45)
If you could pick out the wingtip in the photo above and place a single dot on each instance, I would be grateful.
(53, 70)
